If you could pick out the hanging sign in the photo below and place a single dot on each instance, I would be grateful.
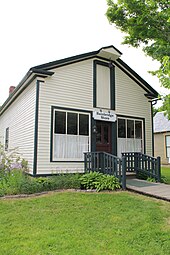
(104, 115)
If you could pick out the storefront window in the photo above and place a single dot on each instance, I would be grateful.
(130, 138)
(71, 135)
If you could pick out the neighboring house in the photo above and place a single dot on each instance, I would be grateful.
(89, 102)
(162, 137)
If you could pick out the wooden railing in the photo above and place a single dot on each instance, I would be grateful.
(105, 163)
(143, 164)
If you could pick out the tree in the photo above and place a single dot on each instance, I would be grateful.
(163, 107)
(147, 24)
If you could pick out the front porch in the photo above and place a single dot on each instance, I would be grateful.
(143, 166)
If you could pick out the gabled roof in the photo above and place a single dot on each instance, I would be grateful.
(161, 123)
(108, 53)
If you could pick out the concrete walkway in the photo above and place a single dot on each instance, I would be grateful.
(157, 190)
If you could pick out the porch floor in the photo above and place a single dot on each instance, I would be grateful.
(157, 190)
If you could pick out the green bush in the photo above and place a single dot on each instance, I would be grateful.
(99, 181)
(150, 179)
(141, 175)
(164, 179)
(17, 182)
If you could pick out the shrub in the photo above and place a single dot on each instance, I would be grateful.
(164, 179)
(12, 171)
(150, 179)
(99, 181)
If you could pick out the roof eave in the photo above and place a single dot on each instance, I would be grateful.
(30, 76)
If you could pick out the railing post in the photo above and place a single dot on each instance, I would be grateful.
(123, 172)
(159, 168)
(85, 162)
(102, 162)
(136, 162)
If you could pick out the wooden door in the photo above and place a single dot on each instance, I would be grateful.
(103, 136)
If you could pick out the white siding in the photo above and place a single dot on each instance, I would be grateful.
(71, 87)
(130, 101)
(19, 117)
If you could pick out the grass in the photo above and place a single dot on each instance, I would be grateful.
(77, 223)
(165, 171)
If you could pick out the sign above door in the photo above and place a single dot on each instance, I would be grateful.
(104, 115)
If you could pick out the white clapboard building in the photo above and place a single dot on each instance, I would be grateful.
(89, 102)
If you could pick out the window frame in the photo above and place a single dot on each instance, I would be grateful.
(68, 110)
(166, 145)
(112, 99)
(7, 139)
(135, 119)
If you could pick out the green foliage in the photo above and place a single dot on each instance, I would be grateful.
(150, 179)
(164, 179)
(146, 24)
(141, 175)
(99, 181)
(164, 108)
(17, 182)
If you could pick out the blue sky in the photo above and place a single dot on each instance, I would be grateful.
(34, 32)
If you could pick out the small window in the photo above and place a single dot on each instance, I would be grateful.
(121, 128)
(83, 124)
(72, 123)
(168, 146)
(7, 139)
(60, 122)
(130, 129)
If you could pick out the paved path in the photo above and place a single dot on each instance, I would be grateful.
(157, 190)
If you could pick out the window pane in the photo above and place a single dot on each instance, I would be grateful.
(121, 128)
(60, 123)
(106, 134)
(167, 140)
(98, 135)
(83, 124)
(72, 123)
(130, 128)
(138, 129)
(168, 152)
(7, 139)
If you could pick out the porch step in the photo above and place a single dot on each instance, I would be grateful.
(130, 175)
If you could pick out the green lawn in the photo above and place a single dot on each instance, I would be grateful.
(165, 171)
(77, 223)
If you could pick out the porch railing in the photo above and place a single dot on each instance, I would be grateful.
(105, 163)
(143, 165)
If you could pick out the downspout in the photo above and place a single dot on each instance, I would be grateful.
(153, 102)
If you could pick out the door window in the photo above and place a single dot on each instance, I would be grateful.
(103, 137)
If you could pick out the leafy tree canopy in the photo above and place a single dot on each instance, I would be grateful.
(147, 24)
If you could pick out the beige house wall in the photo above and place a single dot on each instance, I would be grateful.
(160, 146)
